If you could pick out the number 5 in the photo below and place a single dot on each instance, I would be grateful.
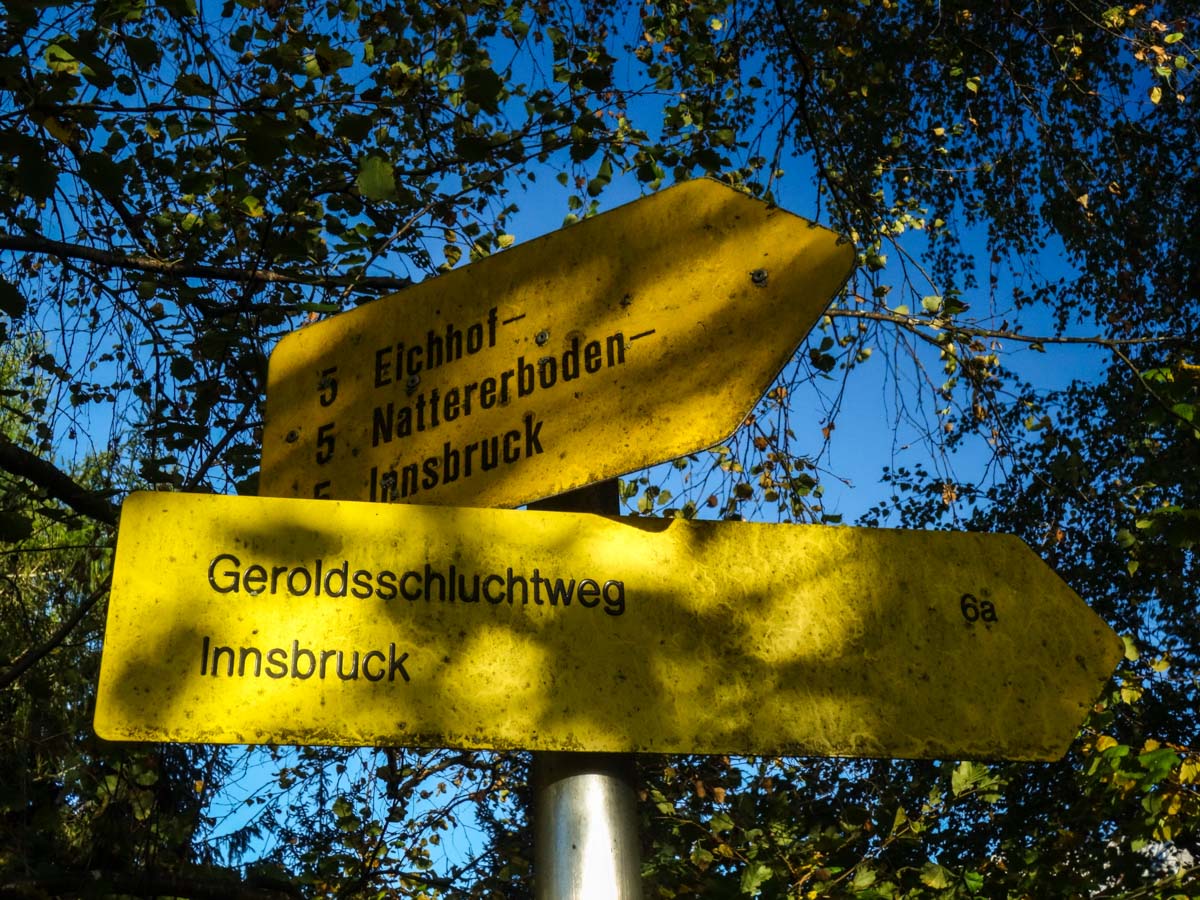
(325, 443)
(328, 386)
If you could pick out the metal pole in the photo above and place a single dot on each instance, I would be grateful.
(585, 842)
(585, 837)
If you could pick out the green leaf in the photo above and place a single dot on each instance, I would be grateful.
(1158, 763)
(754, 876)
(352, 127)
(1131, 650)
(603, 177)
(14, 527)
(821, 361)
(483, 87)
(192, 85)
(966, 775)
(59, 59)
(180, 9)
(935, 876)
(11, 300)
(720, 823)
(36, 174)
(144, 52)
(142, 803)
(376, 181)
(182, 368)
(864, 877)
(253, 206)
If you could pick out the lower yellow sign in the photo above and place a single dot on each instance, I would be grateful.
(251, 620)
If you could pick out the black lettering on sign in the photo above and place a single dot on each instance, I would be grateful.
(396, 363)
(302, 663)
(452, 463)
(328, 386)
(339, 579)
(974, 610)
(421, 411)
(325, 443)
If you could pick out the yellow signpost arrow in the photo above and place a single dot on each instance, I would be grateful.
(626, 340)
(285, 621)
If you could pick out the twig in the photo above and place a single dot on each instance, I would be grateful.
(30, 658)
(912, 323)
(49, 247)
(18, 461)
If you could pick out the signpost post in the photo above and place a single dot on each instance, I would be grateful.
(627, 340)
(585, 837)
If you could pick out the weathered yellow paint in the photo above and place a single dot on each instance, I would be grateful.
(722, 637)
(629, 339)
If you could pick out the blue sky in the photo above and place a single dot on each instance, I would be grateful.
(870, 431)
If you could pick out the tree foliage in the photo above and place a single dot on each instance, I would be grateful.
(183, 182)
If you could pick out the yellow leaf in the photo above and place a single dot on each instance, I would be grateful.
(1188, 771)
(62, 133)
(1104, 742)
(1155, 94)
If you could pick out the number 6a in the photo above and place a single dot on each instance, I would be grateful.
(974, 609)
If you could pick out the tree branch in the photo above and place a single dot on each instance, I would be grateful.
(1154, 395)
(912, 323)
(30, 658)
(137, 263)
(18, 461)
(144, 884)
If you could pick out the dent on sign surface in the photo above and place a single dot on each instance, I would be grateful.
(629, 339)
(287, 621)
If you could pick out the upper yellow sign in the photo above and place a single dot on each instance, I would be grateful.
(290, 621)
(629, 339)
